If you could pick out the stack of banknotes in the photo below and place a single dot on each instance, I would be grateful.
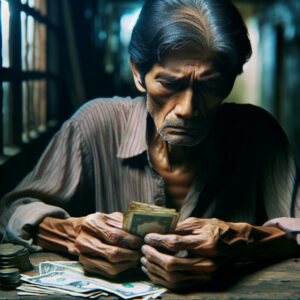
(142, 218)
(59, 278)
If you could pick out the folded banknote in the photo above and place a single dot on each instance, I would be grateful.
(142, 218)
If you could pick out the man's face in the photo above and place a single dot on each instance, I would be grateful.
(183, 93)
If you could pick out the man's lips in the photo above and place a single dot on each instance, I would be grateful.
(183, 130)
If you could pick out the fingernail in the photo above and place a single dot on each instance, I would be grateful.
(143, 260)
(144, 270)
(144, 249)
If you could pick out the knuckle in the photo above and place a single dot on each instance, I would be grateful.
(175, 243)
(170, 264)
(113, 237)
(112, 254)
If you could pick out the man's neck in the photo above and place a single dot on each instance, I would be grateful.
(171, 157)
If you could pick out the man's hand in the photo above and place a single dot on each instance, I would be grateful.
(104, 247)
(209, 245)
(98, 239)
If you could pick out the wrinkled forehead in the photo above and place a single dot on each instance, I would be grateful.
(189, 61)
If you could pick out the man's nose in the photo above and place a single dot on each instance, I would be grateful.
(187, 106)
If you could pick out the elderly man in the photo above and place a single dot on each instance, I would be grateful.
(222, 166)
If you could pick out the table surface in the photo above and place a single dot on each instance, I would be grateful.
(280, 280)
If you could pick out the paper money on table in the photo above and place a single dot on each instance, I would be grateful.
(68, 278)
(51, 266)
(142, 218)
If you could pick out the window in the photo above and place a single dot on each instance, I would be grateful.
(29, 78)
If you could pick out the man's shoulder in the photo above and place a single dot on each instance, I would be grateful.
(249, 121)
(105, 108)
(246, 114)
(244, 109)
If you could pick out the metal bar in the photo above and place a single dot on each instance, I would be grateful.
(9, 74)
(15, 59)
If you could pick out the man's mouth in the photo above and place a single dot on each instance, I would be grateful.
(182, 130)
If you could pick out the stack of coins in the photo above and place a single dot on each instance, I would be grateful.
(23, 261)
(13, 260)
(9, 278)
(9, 273)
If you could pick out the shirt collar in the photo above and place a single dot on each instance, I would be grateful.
(133, 141)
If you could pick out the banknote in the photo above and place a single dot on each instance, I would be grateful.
(49, 266)
(47, 290)
(66, 280)
(142, 218)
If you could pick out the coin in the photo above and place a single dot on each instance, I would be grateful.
(6, 245)
(9, 278)
(23, 260)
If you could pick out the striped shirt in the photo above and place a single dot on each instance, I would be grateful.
(99, 161)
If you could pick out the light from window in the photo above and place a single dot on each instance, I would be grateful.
(7, 115)
(5, 15)
(127, 23)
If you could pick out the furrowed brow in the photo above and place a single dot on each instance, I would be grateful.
(168, 78)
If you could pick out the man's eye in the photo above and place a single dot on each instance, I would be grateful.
(172, 86)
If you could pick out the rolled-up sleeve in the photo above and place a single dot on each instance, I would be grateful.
(58, 186)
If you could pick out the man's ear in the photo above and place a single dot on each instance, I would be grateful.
(137, 77)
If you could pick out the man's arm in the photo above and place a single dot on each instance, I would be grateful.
(98, 239)
(60, 183)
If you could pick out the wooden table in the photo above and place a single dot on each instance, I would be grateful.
(281, 280)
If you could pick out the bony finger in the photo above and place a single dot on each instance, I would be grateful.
(178, 281)
(168, 242)
(92, 246)
(164, 260)
(103, 267)
(171, 263)
(118, 237)
(110, 234)
(174, 243)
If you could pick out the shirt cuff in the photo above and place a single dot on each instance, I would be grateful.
(289, 225)
(20, 226)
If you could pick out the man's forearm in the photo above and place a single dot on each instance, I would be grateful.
(59, 235)
(269, 243)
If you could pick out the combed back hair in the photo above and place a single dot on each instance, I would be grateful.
(212, 26)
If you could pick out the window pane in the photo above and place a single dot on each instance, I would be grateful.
(26, 121)
(5, 14)
(42, 106)
(43, 7)
(52, 102)
(31, 3)
(42, 48)
(30, 42)
(40, 6)
(7, 115)
(24, 41)
(34, 109)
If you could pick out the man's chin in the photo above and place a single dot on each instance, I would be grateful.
(183, 141)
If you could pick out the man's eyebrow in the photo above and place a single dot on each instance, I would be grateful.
(169, 78)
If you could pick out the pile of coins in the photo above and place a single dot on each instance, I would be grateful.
(14, 259)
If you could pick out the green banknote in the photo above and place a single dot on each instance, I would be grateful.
(142, 218)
